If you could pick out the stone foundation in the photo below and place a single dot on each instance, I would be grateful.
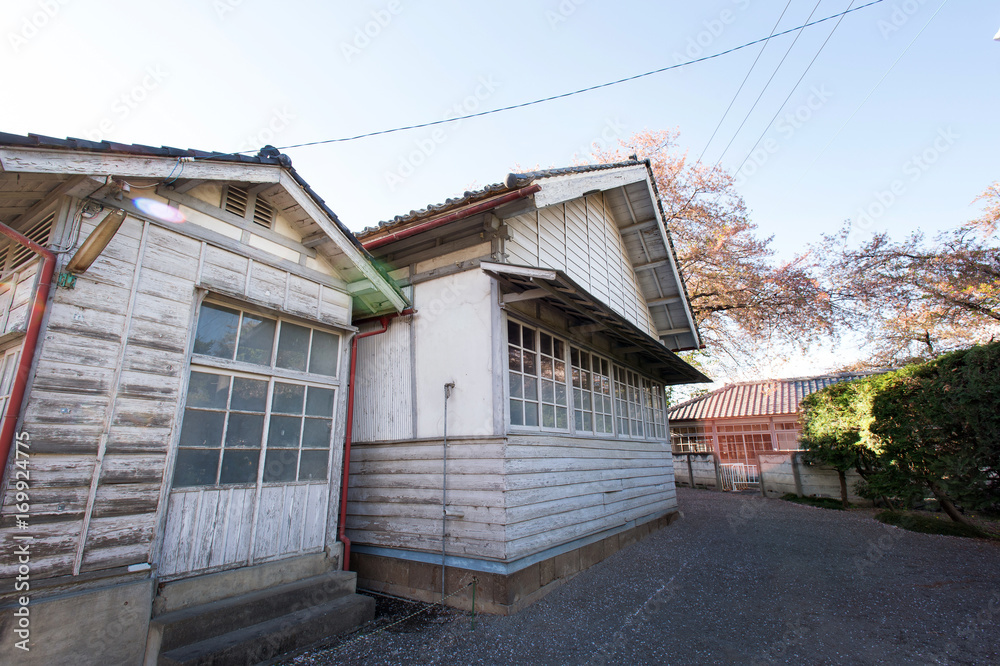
(501, 594)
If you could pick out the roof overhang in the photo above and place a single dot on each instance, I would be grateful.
(82, 172)
(559, 291)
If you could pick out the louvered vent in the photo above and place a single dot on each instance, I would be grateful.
(38, 233)
(263, 213)
(236, 200)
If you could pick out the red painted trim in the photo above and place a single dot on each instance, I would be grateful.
(45, 270)
(349, 431)
(451, 217)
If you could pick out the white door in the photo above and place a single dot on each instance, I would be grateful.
(252, 462)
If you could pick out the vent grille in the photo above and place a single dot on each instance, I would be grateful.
(263, 213)
(40, 234)
(236, 200)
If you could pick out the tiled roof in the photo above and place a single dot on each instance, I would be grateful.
(267, 155)
(512, 182)
(761, 398)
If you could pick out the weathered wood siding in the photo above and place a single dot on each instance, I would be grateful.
(581, 238)
(383, 403)
(394, 498)
(561, 488)
(103, 406)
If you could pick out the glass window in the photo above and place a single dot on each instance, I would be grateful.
(592, 410)
(536, 379)
(293, 347)
(217, 331)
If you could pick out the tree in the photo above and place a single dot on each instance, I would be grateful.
(916, 299)
(834, 423)
(740, 297)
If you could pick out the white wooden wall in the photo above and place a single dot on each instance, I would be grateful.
(581, 238)
(561, 488)
(383, 405)
(15, 296)
(394, 497)
(104, 400)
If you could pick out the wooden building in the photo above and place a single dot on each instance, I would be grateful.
(514, 430)
(179, 439)
(740, 420)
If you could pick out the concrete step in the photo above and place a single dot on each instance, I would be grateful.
(199, 590)
(263, 641)
(198, 623)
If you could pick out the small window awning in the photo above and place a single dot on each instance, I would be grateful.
(557, 289)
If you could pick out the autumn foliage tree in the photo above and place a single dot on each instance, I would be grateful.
(741, 298)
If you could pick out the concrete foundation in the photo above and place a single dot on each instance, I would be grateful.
(500, 594)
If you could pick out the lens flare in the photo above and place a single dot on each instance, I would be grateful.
(159, 210)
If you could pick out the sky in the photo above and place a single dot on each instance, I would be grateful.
(893, 125)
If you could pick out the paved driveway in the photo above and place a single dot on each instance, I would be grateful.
(740, 580)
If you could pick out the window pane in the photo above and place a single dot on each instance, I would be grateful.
(548, 416)
(202, 428)
(279, 465)
(205, 390)
(513, 333)
(287, 398)
(529, 339)
(546, 367)
(561, 395)
(319, 401)
(562, 417)
(516, 413)
(313, 465)
(196, 467)
(284, 431)
(216, 334)
(578, 419)
(325, 354)
(514, 358)
(560, 371)
(317, 433)
(558, 350)
(293, 345)
(239, 466)
(546, 344)
(548, 391)
(515, 386)
(256, 340)
(249, 395)
(530, 388)
(244, 430)
(530, 361)
(531, 413)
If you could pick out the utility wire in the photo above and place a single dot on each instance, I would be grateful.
(790, 92)
(773, 74)
(875, 87)
(745, 78)
(567, 94)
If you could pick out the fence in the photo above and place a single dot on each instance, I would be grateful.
(738, 476)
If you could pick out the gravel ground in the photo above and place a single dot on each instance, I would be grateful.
(739, 580)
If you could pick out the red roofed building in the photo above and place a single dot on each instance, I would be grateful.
(739, 420)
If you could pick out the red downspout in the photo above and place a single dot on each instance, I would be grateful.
(45, 270)
(349, 428)
(451, 217)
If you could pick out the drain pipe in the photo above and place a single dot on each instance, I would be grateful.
(444, 484)
(349, 428)
(45, 270)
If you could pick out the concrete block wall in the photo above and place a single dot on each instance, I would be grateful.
(783, 472)
(697, 470)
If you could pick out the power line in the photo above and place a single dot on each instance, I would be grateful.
(790, 92)
(745, 78)
(762, 90)
(875, 87)
(573, 92)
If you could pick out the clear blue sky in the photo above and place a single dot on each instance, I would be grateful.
(233, 74)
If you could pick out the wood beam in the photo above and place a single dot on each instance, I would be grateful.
(528, 295)
(316, 239)
(587, 328)
(666, 300)
(651, 265)
(30, 196)
(673, 331)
